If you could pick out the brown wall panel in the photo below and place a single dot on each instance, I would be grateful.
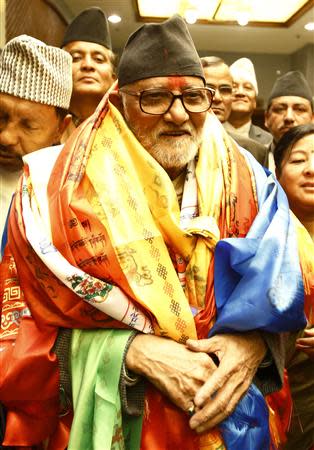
(37, 18)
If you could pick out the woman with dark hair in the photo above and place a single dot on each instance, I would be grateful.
(294, 159)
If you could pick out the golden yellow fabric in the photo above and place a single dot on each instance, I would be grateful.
(135, 200)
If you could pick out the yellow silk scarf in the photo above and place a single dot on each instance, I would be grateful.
(134, 199)
(306, 252)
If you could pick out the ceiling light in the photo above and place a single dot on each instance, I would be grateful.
(114, 18)
(190, 16)
(309, 26)
(243, 18)
(261, 12)
(166, 8)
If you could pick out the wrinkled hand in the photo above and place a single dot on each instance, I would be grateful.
(306, 343)
(239, 356)
(174, 369)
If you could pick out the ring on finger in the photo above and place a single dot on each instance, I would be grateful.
(191, 410)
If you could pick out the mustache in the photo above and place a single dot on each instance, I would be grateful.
(176, 129)
(9, 152)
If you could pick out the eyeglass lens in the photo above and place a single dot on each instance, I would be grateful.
(159, 101)
(223, 90)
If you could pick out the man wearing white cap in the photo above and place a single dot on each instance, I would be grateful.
(35, 92)
(245, 91)
(218, 77)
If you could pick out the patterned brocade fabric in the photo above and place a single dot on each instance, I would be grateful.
(106, 243)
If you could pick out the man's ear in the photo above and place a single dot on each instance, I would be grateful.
(266, 119)
(65, 123)
(116, 100)
(62, 126)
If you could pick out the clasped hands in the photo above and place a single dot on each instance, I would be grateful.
(188, 375)
(306, 342)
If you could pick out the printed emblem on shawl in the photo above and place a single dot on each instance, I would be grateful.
(13, 305)
(88, 288)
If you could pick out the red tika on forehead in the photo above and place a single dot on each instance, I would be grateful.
(176, 82)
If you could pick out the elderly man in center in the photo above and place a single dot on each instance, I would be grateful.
(153, 247)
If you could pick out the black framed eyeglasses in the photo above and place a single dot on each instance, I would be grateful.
(159, 101)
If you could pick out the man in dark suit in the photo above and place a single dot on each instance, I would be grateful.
(245, 91)
(218, 77)
(290, 104)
